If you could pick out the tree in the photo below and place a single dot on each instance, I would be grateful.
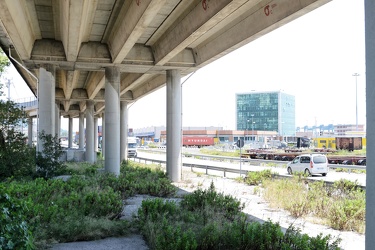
(16, 157)
(4, 62)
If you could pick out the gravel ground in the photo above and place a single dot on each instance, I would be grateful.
(255, 206)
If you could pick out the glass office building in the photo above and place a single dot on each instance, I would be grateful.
(266, 111)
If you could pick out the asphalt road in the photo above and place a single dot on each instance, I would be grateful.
(332, 176)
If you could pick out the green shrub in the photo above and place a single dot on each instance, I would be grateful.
(344, 186)
(212, 202)
(48, 161)
(14, 230)
(349, 213)
(85, 207)
(201, 221)
(257, 177)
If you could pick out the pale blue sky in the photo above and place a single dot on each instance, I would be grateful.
(312, 57)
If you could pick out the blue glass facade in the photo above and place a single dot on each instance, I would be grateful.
(268, 111)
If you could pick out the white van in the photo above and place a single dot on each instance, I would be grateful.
(310, 164)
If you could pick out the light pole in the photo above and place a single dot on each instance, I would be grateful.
(356, 102)
(252, 127)
(247, 129)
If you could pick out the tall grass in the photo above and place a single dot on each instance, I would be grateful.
(341, 206)
(207, 219)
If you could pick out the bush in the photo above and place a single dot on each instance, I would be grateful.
(14, 230)
(257, 177)
(48, 161)
(206, 219)
(84, 207)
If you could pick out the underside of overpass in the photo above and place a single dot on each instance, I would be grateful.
(97, 56)
(143, 38)
(90, 55)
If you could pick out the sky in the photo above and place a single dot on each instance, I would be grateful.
(313, 58)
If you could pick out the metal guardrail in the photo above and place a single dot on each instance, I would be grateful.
(202, 166)
(258, 162)
(231, 170)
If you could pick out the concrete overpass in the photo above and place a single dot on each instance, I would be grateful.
(93, 57)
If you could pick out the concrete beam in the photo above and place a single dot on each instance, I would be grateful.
(76, 22)
(200, 19)
(79, 94)
(48, 50)
(132, 80)
(82, 106)
(129, 80)
(99, 107)
(128, 29)
(151, 86)
(95, 82)
(95, 56)
(71, 81)
(262, 20)
(21, 25)
(68, 80)
(66, 106)
(100, 96)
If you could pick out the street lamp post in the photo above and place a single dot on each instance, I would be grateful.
(252, 127)
(356, 102)
(247, 129)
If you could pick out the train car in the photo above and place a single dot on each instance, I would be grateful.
(197, 141)
(349, 143)
(325, 142)
(303, 142)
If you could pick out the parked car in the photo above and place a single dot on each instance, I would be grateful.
(309, 164)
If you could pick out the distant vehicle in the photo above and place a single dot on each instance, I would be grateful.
(197, 141)
(132, 146)
(309, 164)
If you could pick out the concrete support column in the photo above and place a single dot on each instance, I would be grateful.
(57, 121)
(370, 122)
(46, 104)
(81, 130)
(90, 152)
(70, 133)
(174, 125)
(96, 134)
(103, 135)
(124, 130)
(112, 120)
(30, 131)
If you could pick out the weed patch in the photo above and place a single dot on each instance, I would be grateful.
(257, 177)
(341, 206)
(86, 207)
(207, 219)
